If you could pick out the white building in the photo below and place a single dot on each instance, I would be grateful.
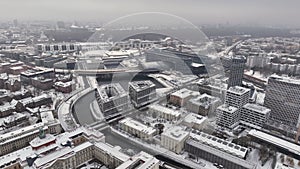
(52, 123)
(237, 96)
(254, 115)
(164, 112)
(195, 121)
(67, 150)
(227, 116)
(140, 161)
(173, 139)
(137, 129)
(20, 138)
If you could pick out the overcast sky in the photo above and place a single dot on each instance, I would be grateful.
(261, 12)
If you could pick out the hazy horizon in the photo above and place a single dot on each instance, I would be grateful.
(255, 12)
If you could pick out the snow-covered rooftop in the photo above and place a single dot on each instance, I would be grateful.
(227, 108)
(137, 125)
(159, 108)
(238, 90)
(176, 133)
(195, 118)
(146, 161)
(141, 85)
(294, 148)
(223, 145)
(184, 93)
(257, 108)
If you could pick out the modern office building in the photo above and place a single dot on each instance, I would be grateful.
(220, 144)
(283, 98)
(173, 139)
(237, 96)
(134, 44)
(281, 145)
(204, 104)
(234, 69)
(186, 62)
(142, 93)
(254, 115)
(164, 112)
(137, 129)
(219, 151)
(227, 116)
(112, 99)
(59, 47)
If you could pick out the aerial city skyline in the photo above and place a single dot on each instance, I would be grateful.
(149, 85)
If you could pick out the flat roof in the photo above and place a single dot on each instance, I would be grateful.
(63, 84)
(204, 100)
(137, 125)
(113, 150)
(13, 117)
(285, 79)
(257, 108)
(294, 148)
(20, 132)
(146, 161)
(53, 156)
(195, 118)
(227, 108)
(282, 166)
(238, 90)
(41, 141)
(222, 154)
(141, 85)
(183, 93)
(47, 116)
(120, 53)
(62, 138)
(221, 144)
(17, 68)
(160, 108)
(176, 133)
(110, 91)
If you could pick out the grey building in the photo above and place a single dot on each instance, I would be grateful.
(220, 156)
(204, 104)
(142, 93)
(227, 116)
(254, 115)
(184, 62)
(283, 98)
(234, 69)
(112, 99)
(237, 96)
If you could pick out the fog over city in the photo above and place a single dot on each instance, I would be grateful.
(149, 84)
(277, 13)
